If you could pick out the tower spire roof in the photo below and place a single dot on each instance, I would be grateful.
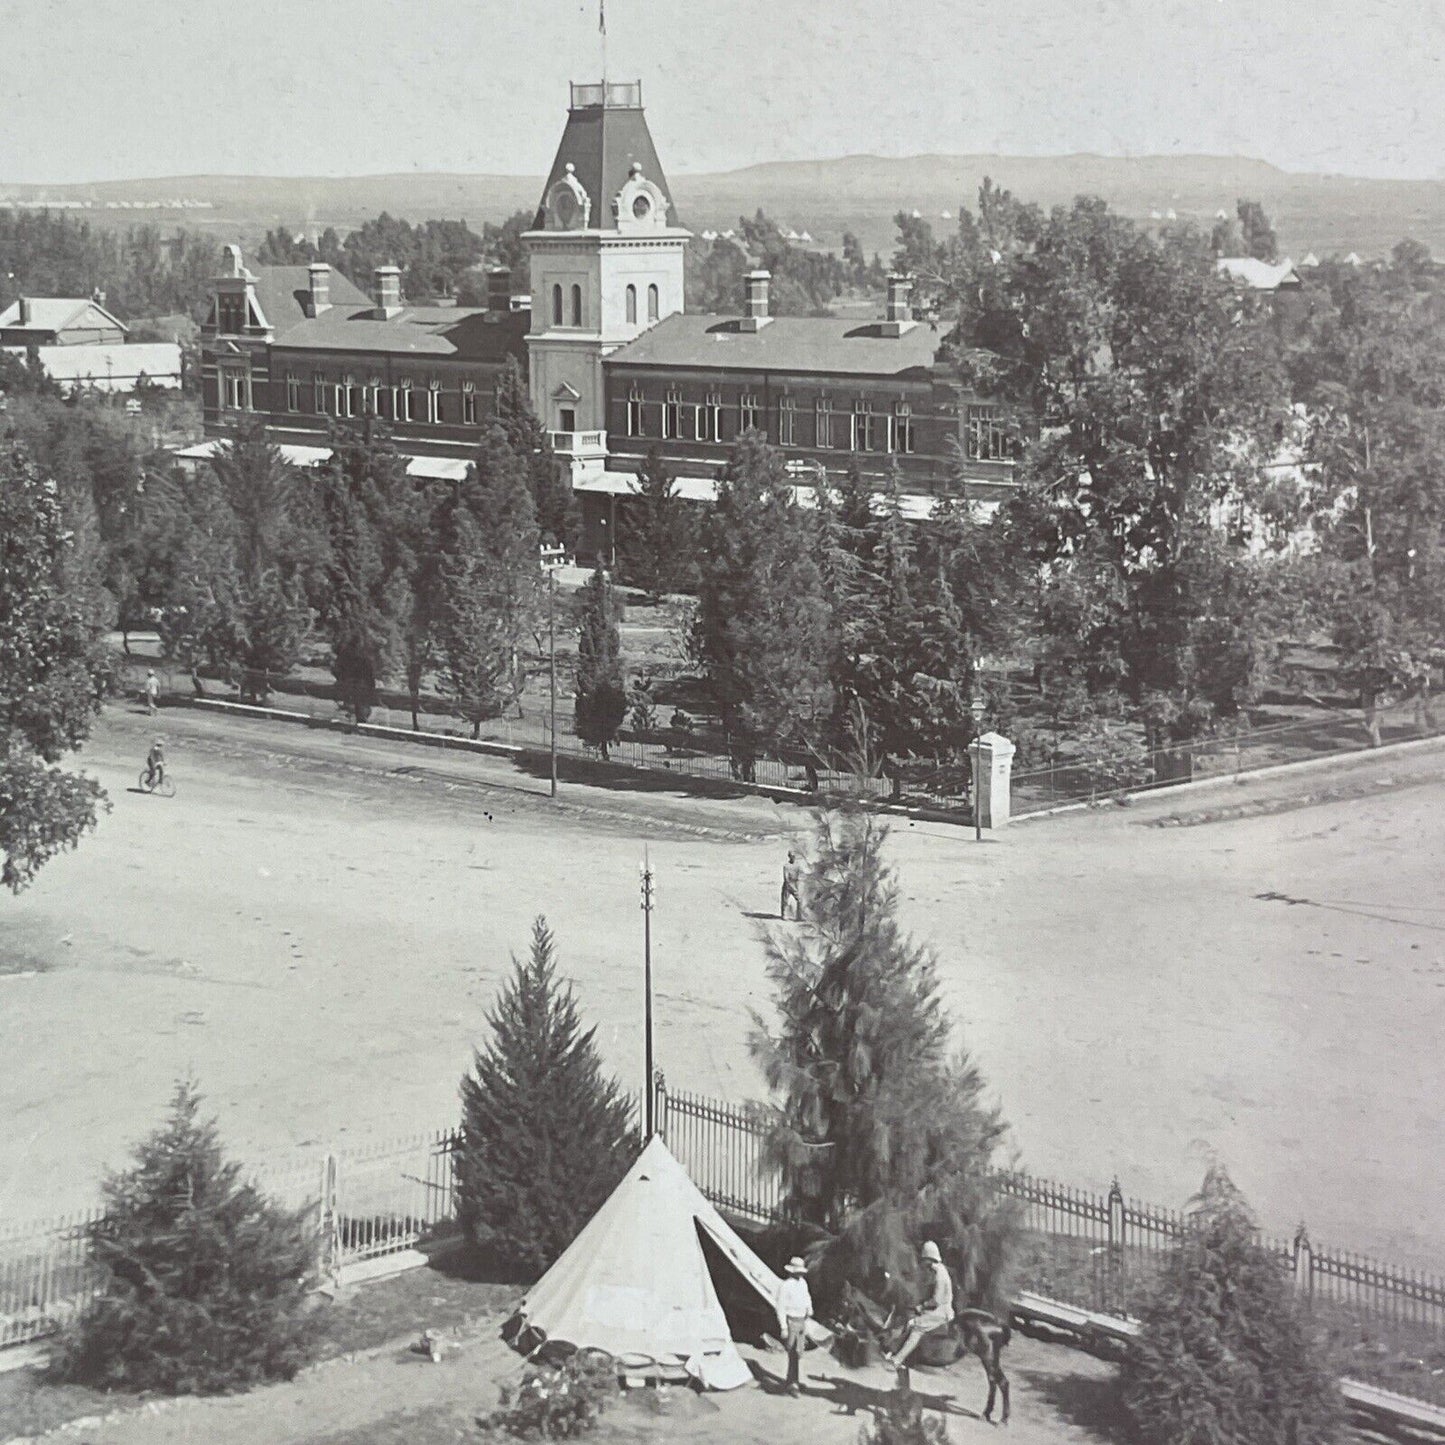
(605, 144)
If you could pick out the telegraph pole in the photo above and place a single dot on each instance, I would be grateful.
(552, 666)
(648, 1103)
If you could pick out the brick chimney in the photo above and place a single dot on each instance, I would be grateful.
(755, 315)
(386, 291)
(898, 315)
(319, 297)
(499, 290)
(25, 312)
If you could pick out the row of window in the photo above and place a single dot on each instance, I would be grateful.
(346, 397)
(861, 430)
(987, 436)
(574, 299)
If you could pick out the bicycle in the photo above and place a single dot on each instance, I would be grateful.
(163, 785)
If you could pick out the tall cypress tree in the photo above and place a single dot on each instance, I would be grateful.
(601, 694)
(553, 500)
(546, 1136)
(879, 1123)
(761, 630)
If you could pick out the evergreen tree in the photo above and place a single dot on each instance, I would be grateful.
(474, 651)
(545, 1135)
(761, 629)
(205, 1280)
(1225, 1356)
(52, 671)
(879, 1124)
(601, 693)
(553, 501)
(655, 549)
(364, 594)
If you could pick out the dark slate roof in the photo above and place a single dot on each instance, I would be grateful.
(601, 142)
(350, 323)
(786, 343)
(472, 335)
(283, 292)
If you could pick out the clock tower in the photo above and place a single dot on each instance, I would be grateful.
(606, 258)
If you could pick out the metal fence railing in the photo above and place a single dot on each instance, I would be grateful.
(1097, 1251)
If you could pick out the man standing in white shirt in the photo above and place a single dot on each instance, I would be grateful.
(794, 1309)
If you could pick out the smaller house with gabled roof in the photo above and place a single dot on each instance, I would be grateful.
(82, 347)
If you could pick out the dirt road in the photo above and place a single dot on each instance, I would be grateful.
(316, 925)
(1060, 1397)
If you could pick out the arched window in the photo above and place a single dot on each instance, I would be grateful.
(576, 306)
(652, 303)
(556, 306)
(632, 305)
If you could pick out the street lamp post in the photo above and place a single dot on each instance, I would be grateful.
(552, 666)
(648, 893)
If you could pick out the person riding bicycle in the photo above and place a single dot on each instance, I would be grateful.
(156, 763)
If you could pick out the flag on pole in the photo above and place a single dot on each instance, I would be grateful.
(602, 17)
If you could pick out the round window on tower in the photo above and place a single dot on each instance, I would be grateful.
(642, 207)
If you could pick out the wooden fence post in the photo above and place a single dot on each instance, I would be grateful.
(1117, 1292)
(1304, 1264)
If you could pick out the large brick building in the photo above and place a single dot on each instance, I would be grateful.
(615, 363)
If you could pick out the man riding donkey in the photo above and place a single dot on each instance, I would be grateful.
(937, 1310)
(945, 1333)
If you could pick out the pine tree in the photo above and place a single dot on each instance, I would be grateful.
(879, 1124)
(364, 496)
(553, 500)
(1225, 1357)
(761, 629)
(474, 652)
(205, 1280)
(656, 543)
(501, 502)
(545, 1135)
(601, 693)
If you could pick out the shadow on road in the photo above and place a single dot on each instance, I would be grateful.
(1090, 1404)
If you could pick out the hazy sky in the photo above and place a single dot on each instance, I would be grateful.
(100, 89)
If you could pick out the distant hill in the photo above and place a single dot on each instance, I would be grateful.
(857, 193)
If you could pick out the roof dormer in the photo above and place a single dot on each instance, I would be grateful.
(568, 206)
(641, 204)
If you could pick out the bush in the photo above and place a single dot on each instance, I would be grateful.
(1225, 1357)
(556, 1402)
(206, 1281)
(901, 1421)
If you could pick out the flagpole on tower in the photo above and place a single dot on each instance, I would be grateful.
(602, 31)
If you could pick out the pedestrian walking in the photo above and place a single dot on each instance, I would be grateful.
(794, 1310)
(152, 690)
(792, 886)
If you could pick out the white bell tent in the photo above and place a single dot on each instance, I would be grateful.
(636, 1281)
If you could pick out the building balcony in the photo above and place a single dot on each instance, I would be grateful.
(578, 444)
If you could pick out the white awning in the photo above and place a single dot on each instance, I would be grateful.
(447, 469)
(916, 506)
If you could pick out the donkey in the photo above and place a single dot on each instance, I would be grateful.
(971, 1332)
